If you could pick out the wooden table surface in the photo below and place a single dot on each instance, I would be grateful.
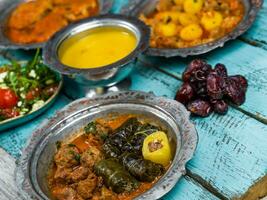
(231, 155)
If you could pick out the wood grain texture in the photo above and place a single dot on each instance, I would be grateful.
(8, 189)
(257, 34)
(239, 58)
(232, 151)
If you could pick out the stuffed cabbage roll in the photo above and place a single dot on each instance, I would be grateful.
(128, 137)
(143, 170)
(115, 176)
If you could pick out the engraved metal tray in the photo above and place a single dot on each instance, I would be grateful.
(137, 7)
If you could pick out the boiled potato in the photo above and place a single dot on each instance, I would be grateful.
(193, 6)
(187, 19)
(178, 2)
(168, 15)
(167, 30)
(191, 32)
(211, 20)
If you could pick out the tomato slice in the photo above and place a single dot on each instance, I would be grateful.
(32, 94)
(8, 98)
(9, 113)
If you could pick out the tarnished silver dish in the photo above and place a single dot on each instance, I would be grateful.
(6, 8)
(32, 169)
(80, 80)
(137, 7)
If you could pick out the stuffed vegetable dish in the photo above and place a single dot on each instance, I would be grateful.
(110, 158)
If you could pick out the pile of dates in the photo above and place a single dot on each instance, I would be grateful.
(206, 89)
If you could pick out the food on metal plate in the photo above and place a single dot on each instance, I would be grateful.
(25, 88)
(156, 148)
(188, 23)
(205, 89)
(107, 160)
(36, 21)
(97, 48)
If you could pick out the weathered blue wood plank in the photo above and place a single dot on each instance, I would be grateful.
(231, 154)
(118, 4)
(232, 151)
(14, 140)
(239, 58)
(257, 35)
(188, 189)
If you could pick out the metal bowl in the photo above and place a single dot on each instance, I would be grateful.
(32, 168)
(137, 7)
(16, 121)
(102, 76)
(8, 6)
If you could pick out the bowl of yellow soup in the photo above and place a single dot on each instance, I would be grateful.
(96, 52)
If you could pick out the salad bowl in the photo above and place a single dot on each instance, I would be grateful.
(17, 120)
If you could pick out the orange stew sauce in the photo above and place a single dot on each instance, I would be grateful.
(65, 186)
(37, 20)
(187, 23)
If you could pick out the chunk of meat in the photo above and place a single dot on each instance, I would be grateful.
(67, 156)
(65, 193)
(78, 174)
(28, 13)
(90, 157)
(62, 173)
(86, 187)
(105, 194)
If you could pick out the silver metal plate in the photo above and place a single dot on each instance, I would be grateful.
(35, 161)
(137, 7)
(6, 8)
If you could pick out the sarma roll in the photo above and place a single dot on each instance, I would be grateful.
(143, 170)
(115, 176)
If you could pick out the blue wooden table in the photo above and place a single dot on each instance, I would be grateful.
(231, 158)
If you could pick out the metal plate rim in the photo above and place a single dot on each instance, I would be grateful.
(256, 5)
(8, 7)
(177, 110)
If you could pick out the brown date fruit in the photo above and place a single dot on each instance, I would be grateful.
(221, 70)
(200, 108)
(240, 80)
(185, 94)
(200, 88)
(215, 86)
(220, 107)
(235, 91)
(197, 69)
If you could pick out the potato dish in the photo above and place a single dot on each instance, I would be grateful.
(187, 23)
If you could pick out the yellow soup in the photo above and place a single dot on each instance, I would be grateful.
(97, 48)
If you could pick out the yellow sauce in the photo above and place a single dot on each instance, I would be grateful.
(97, 48)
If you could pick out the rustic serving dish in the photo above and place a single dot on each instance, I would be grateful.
(35, 161)
(82, 79)
(137, 7)
(13, 122)
(6, 8)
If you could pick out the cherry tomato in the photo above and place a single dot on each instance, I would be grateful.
(32, 94)
(9, 113)
(8, 99)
